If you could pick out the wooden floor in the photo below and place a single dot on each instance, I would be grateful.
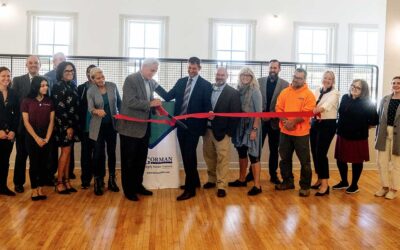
(272, 220)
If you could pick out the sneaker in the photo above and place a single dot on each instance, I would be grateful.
(341, 185)
(352, 190)
(391, 195)
(254, 191)
(382, 192)
(304, 192)
(284, 186)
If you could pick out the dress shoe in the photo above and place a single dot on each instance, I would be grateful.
(304, 192)
(112, 184)
(316, 186)
(209, 185)
(275, 180)
(35, 198)
(249, 177)
(237, 183)
(284, 186)
(221, 193)
(6, 191)
(185, 196)
(98, 186)
(19, 188)
(132, 197)
(254, 191)
(144, 191)
(352, 189)
(42, 197)
(324, 193)
(382, 192)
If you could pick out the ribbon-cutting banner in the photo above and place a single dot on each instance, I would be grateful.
(173, 120)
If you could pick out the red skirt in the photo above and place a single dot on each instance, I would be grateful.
(351, 151)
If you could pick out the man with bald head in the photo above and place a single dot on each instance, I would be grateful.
(22, 86)
(51, 75)
(217, 140)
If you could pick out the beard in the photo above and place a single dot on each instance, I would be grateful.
(273, 76)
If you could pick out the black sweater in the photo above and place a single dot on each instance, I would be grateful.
(9, 114)
(355, 117)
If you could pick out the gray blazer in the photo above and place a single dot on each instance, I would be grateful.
(135, 104)
(280, 85)
(21, 86)
(381, 130)
(95, 101)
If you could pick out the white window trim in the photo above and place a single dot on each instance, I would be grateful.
(333, 27)
(124, 19)
(213, 35)
(352, 27)
(32, 31)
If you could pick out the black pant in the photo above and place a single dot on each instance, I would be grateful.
(321, 135)
(107, 135)
(133, 162)
(20, 159)
(38, 162)
(86, 159)
(287, 145)
(5, 152)
(188, 145)
(273, 143)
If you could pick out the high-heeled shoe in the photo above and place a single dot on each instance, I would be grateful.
(64, 191)
(70, 189)
(324, 193)
(35, 196)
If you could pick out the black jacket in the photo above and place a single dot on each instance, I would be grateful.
(355, 118)
(228, 102)
(9, 114)
(199, 102)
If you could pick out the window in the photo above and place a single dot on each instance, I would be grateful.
(363, 44)
(52, 32)
(144, 36)
(232, 40)
(314, 43)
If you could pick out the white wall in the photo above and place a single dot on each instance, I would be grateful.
(98, 24)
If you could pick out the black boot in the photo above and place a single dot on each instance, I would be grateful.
(98, 186)
(112, 185)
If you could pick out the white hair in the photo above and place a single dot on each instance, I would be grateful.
(95, 71)
(149, 62)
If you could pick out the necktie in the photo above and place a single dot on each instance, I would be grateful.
(186, 97)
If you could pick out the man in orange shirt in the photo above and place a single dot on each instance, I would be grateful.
(295, 132)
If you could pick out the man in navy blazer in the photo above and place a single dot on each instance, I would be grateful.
(192, 94)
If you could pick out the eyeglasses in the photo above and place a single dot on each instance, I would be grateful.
(69, 71)
(355, 87)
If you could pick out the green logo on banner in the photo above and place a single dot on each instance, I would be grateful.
(160, 131)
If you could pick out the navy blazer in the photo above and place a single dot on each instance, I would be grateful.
(199, 102)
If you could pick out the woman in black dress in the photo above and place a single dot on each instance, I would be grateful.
(66, 103)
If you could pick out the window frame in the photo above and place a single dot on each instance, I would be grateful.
(213, 22)
(33, 18)
(124, 32)
(368, 27)
(332, 39)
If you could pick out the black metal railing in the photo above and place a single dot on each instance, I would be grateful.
(170, 70)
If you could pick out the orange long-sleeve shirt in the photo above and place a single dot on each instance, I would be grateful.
(296, 100)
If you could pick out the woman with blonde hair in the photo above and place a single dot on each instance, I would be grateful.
(388, 142)
(248, 133)
(323, 129)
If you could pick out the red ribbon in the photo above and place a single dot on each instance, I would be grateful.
(162, 112)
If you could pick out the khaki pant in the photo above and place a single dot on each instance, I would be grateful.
(216, 156)
(389, 177)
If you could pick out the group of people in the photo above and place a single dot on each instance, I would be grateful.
(48, 114)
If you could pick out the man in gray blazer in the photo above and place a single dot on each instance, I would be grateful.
(271, 87)
(137, 101)
(22, 86)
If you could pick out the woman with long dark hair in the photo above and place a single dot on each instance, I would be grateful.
(8, 126)
(66, 102)
(38, 116)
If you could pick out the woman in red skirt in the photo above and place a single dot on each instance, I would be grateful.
(356, 115)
